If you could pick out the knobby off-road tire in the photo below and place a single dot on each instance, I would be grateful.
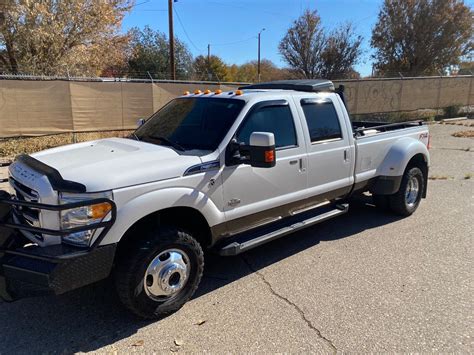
(408, 197)
(159, 272)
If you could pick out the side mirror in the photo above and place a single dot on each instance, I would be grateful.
(262, 150)
(140, 122)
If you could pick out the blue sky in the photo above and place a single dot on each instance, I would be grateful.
(231, 26)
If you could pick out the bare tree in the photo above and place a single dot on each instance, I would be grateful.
(421, 36)
(341, 52)
(311, 52)
(304, 44)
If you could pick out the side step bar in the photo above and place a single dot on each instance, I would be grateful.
(237, 247)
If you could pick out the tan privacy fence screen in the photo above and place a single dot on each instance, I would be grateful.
(29, 108)
(408, 94)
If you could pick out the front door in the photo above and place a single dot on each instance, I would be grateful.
(258, 196)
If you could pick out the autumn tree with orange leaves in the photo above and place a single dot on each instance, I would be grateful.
(59, 37)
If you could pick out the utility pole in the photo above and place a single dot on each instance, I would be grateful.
(170, 20)
(258, 61)
(209, 75)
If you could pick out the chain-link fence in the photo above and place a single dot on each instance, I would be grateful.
(116, 75)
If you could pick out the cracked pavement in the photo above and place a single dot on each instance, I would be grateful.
(363, 282)
(286, 300)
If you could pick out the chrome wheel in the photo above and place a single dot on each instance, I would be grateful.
(412, 192)
(167, 274)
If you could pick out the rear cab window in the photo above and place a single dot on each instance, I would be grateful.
(322, 120)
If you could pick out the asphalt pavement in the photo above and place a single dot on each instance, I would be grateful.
(364, 282)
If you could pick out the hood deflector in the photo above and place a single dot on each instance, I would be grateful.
(54, 177)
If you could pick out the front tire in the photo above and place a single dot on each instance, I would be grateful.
(159, 273)
(407, 199)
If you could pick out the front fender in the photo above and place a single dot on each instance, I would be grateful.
(141, 206)
(398, 156)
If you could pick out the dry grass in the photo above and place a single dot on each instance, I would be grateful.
(466, 123)
(9, 148)
(464, 134)
(440, 177)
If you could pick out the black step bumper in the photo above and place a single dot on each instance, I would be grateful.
(28, 270)
(35, 271)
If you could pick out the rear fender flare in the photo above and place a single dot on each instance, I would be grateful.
(400, 154)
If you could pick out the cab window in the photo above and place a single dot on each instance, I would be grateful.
(274, 119)
(322, 120)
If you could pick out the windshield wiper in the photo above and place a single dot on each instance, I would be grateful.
(169, 142)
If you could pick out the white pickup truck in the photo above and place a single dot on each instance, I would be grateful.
(220, 171)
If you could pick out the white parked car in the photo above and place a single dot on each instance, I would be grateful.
(223, 171)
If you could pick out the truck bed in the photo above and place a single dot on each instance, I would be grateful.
(367, 128)
(374, 141)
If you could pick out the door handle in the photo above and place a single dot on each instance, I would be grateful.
(293, 162)
(302, 168)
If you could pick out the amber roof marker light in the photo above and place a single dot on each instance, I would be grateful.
(218, 91)
(207, 92)
(197, 92)
(185, 92)
(239, 92)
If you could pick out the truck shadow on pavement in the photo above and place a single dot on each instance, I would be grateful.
(91, 318)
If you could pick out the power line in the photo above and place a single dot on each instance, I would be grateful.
(185, 32)
(142, 3)
(219, 44)
(246, 8)
(236, 42)
(153, 10)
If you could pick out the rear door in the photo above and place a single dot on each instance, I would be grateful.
(258, 196)
(330, 155)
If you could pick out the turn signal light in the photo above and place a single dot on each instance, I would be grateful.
(196, 92)
(100, 210)
(269, 156)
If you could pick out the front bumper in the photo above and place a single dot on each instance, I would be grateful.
(35, 271)
(28, 270)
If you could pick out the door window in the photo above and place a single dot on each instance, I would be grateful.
(323, 121)
(274, 119)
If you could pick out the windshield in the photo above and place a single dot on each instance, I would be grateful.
(191, 123)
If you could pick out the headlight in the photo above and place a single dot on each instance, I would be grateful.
(83, 216)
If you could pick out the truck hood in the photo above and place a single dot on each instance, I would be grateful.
(108, 164)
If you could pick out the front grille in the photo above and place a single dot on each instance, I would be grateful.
(30, 216)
